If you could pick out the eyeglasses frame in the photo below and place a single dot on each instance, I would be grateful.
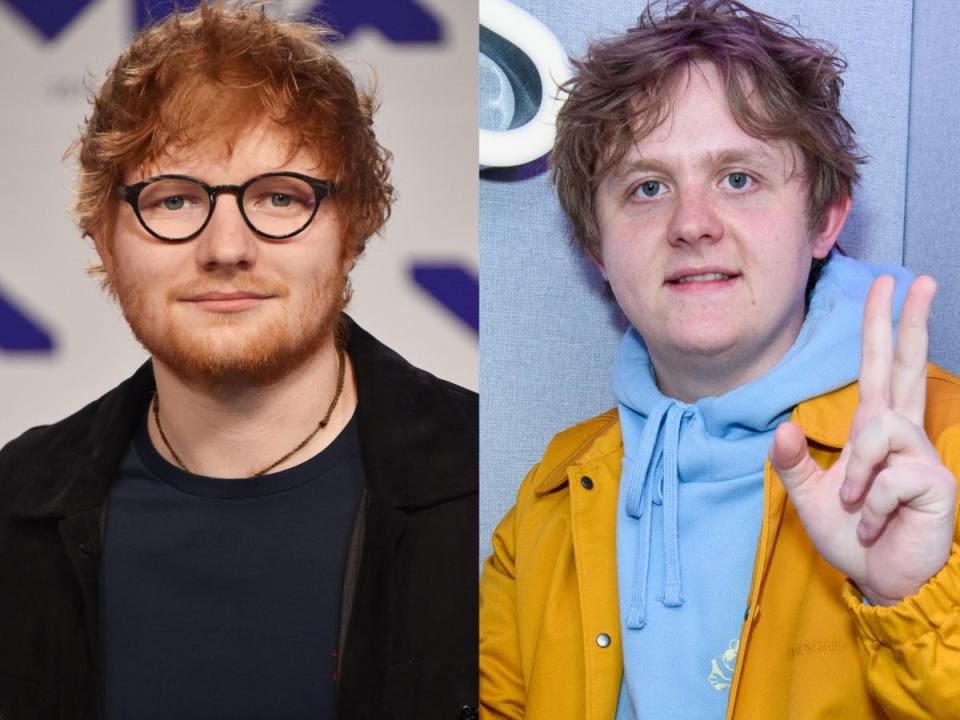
(131, 193)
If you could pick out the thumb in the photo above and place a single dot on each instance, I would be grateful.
(790, 458)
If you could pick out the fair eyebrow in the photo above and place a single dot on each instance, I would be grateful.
(639, 164)
(756, 155)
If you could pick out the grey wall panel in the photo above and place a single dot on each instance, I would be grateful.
(933, 199)
(875, 39)
(547, 337)
(547, 334)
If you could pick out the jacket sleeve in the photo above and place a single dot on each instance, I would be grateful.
(911, 651)
(502, 689)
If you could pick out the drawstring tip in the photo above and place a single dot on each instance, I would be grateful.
(673, 595)
(636, 618)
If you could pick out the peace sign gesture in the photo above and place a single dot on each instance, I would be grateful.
(883, 514)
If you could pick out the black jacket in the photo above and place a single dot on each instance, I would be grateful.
(409, 617)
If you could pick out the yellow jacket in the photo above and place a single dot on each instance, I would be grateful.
(550, 622)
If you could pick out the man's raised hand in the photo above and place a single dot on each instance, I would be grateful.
(883, 514)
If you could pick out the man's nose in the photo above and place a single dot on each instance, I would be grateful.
(226, 241)
(695, 217)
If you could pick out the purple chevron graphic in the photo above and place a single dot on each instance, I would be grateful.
(401, 21)
(454, 287)
(150, 11)
(49, 17)
(19, 332)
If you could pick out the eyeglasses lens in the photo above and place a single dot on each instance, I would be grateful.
(174, 208)
(278, 204)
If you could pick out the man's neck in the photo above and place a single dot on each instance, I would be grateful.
(233, 429)
(694, 378)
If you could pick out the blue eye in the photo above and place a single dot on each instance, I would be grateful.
(738, 181)
(650, 188)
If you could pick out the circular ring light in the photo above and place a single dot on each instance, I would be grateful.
(543, 51)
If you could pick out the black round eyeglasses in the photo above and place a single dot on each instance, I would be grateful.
(276, 205)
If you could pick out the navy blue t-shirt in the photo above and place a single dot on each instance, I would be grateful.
(221, 598)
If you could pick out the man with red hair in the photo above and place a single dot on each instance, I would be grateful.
(276, 515)
(764, 526)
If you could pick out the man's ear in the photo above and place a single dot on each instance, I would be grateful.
(832, 223)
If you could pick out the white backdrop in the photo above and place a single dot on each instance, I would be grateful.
(428, 92)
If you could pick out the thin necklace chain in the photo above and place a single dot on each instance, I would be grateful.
(322, 424)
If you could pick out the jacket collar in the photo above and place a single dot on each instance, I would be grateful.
(582, 444)
(419, 447)
(824, 419)
(71, 464)
(419, 433)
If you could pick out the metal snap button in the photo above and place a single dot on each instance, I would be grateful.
(603, 640)
(586, 482)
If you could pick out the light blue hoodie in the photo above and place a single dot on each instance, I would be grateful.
(691, 498)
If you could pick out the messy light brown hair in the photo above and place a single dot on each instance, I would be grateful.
(211, 73)
(779, 85)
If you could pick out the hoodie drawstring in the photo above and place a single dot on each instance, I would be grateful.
(656, 479)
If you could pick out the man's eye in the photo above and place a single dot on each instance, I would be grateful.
(174, 202)
(277, 200)
(650, 188)
(170, 203)
(738, 181)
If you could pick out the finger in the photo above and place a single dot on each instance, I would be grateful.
(790, 458)
(876, 356)
(891, 489)
(886, 434)
(908, 382)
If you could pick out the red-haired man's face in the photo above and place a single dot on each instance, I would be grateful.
(230, 305)
(705, 241)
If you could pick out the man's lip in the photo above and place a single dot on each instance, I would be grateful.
(239, 295)
(227, 302)
(678, 275)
